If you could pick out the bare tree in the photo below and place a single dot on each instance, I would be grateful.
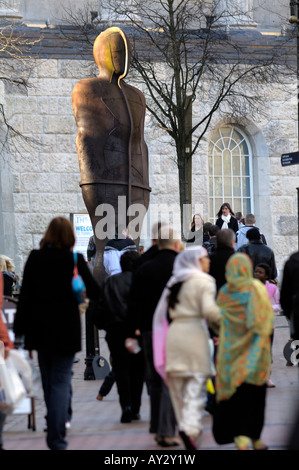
(16, 66)
(203, 59)
(190, 43)
(80, 25)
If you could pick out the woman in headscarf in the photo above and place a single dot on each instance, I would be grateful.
(189, 300)
(244, 356)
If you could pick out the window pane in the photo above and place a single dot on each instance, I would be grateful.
(226, 163)
(245, 165)
(218, 186)
(227, 187)
(244, 148)
(247, 206)
(238, 206)
(237, 186)
(236, 165)
(218, 165)
(246, 186)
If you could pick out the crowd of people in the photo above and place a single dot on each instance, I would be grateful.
(175, 316)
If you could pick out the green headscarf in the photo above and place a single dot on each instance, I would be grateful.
(244, 353)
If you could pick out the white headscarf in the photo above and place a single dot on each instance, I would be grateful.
(185, 265)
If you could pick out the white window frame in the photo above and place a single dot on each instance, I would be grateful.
(217, 136)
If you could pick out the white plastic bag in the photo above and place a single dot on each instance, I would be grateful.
(12, 390)
(29, 374)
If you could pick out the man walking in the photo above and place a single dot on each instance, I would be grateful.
(149, 281)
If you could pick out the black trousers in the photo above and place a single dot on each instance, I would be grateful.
(162, 419)
(128, 369)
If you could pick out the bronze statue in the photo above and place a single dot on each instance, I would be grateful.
(113, 155)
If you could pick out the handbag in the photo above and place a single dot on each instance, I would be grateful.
(12, 389)
(78, 285)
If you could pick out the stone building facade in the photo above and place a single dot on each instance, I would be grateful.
(41, 182)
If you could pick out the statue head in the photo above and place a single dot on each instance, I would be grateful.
(112, 53)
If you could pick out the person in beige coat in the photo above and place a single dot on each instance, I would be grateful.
(190, 301)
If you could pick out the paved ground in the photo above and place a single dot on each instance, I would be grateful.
(96, 425)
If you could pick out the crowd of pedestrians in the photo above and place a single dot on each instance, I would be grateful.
(175, 316)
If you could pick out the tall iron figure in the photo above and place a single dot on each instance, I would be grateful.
(113, 155)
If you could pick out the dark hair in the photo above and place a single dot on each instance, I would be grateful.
(229, 208)
(266, 267)
(128, 260)
(206, 227)
(213, 230)
(253, 234)
(173, 296)
(59, 234)
(225, 237)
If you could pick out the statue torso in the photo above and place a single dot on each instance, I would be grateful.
(110, 142)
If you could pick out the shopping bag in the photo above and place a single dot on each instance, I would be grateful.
(29, 374)
(12, 389)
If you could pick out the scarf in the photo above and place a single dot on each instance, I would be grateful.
(186, 264)
(244, 353)
(226, 220)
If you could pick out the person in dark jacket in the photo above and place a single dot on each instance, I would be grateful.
(224, 249)
(48, 317)
(210, 245)
(128, 368)
(149, 281)
(289, 293)
(226, 218)
(258, 252)
(241, 233)
(91, 251)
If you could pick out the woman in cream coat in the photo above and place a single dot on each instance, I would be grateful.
(190, 294)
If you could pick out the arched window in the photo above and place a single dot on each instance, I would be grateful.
(230, 172)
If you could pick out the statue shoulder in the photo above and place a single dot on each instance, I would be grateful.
(87, 85)
(134, 91)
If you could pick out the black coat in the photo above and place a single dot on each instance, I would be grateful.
(260, 253)
(47, 311)
(233, 223)
(290, 284)
(219, 259)
(148, 284)
(111, 308)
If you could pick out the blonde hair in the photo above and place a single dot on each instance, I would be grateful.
(6, 264)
